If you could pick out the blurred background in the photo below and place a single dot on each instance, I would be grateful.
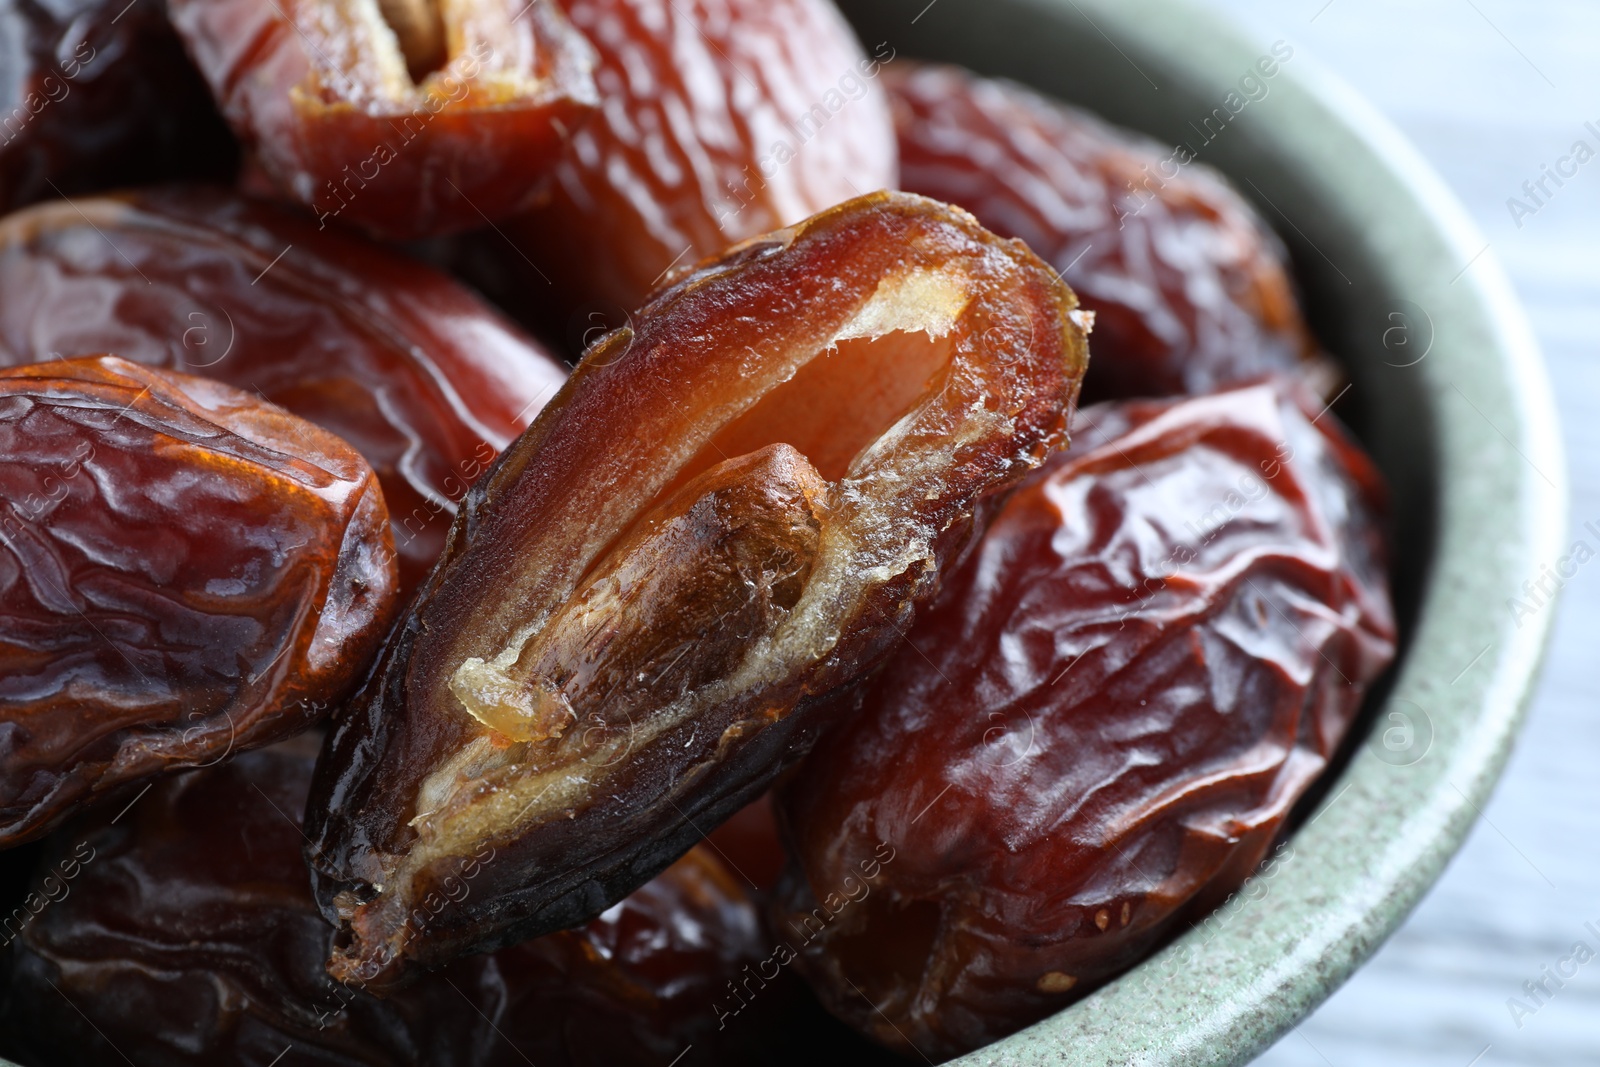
(1494, 92)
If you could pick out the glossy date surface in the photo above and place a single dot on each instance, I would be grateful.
(410, 118)
(186, 934)
(97, 94)
(1189, 288)
(185, 572)
(733, 509)
(422, 377)
(720, 120)
(1104, 720)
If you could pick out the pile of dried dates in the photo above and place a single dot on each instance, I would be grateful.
(800, 677)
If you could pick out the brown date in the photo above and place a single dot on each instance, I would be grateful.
(722, 119)
(185, 572)
(1189, 288)
(410, 118)
(1104, 720)
(186, 934)
(731, 511)
(418, 374)
(96, 94)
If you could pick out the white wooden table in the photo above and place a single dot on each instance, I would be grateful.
(1491, 91)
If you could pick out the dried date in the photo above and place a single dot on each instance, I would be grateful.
(186, 934)
(410, 118)
(1189, 288)
(1104, 721)
(731, 511)
(96, 94)
(409, 367)
(185, 572)
(723, 119)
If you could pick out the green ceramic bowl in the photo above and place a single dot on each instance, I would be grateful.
(1450, 395)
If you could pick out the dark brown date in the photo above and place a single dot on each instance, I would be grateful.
(732, 510)
(723, 119)
(418, 374)
(185, 572)
(410, 118)
(185, 933)
(96, 94)
(1189, 288)
(1101, 726)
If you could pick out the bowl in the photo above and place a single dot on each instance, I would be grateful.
(1447, 390)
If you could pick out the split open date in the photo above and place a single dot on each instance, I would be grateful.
(732, 510)
(409, 118)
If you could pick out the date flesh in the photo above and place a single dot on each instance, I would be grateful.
(422, 377)
(97, 94)
(187, 935)
(185, 572)
(1189, 288)
(1100, 728)
(411, 118)
(731, 511)
(722, 120)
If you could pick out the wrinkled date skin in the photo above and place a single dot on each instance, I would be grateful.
(418, 374)
(1107, 716)
(1189, 288)
(185, 572)
(187, 935)
(411, 118)
(731, 511)
(722, 120)
(96, 94)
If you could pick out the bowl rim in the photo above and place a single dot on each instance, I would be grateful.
(1229, 988)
